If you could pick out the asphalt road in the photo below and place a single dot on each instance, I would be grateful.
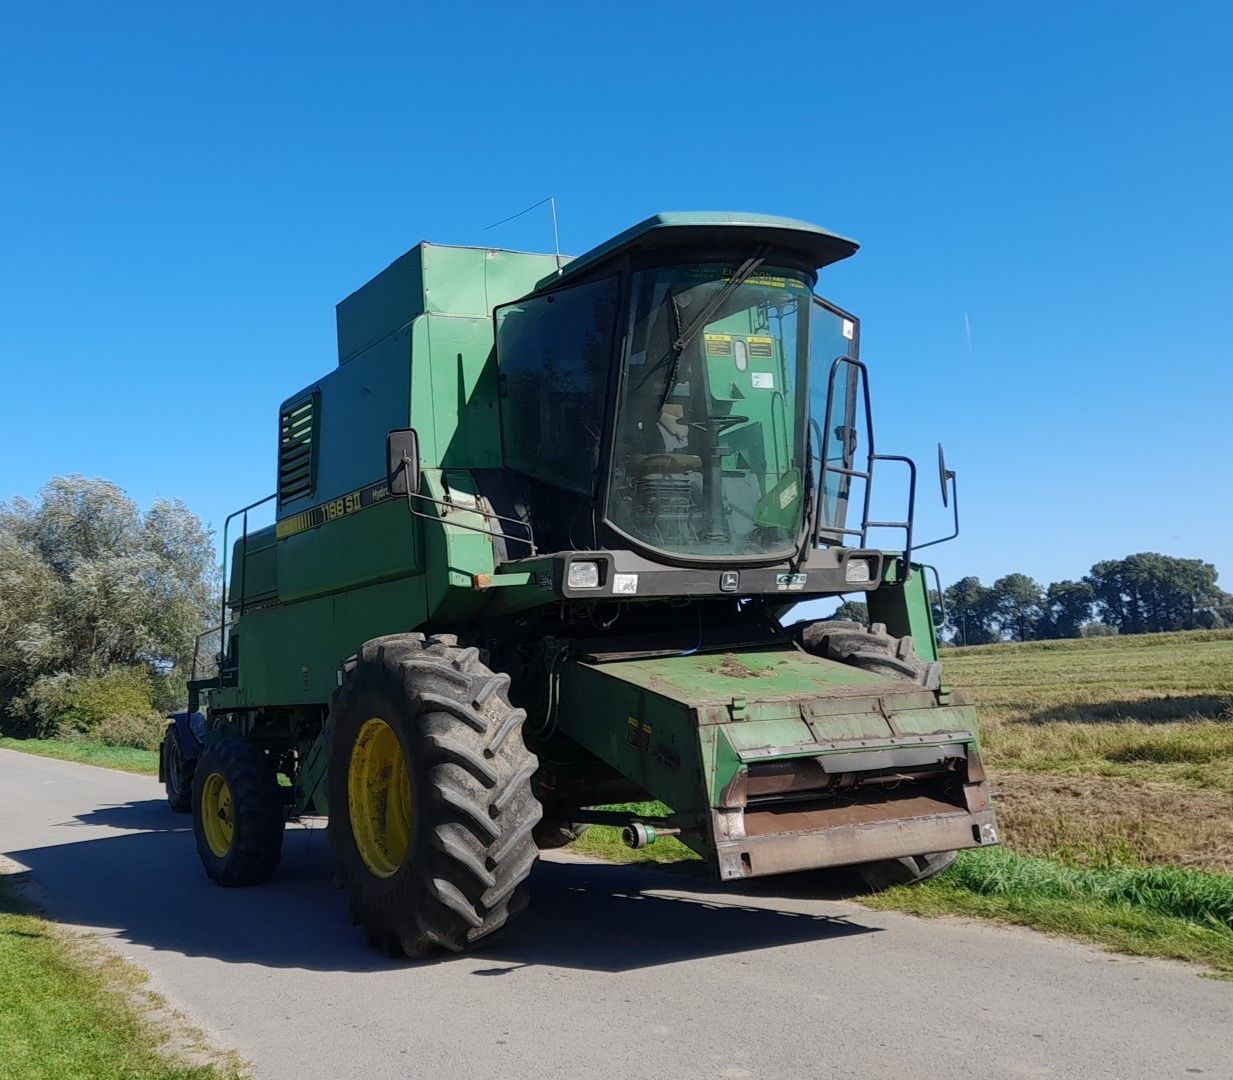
(614, 971)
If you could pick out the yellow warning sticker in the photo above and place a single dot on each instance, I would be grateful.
(761, 346)
(638, 734)
(718, 344)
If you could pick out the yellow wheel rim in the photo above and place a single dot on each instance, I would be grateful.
(379, 798)
(217, 814)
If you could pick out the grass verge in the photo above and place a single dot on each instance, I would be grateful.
(1141, 910)
(70, 1011)
(88, 752)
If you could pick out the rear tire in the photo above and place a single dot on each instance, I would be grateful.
(177, 774)
(237, 813)
(907, 871)
(869, 648)
(431, 808)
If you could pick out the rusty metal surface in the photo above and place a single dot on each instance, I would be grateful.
(947, 828)
(762, 821)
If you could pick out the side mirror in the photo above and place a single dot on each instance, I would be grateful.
(946, 477)
(402, 461)
(950, 495)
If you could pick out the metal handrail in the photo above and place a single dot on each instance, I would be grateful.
(529, 541)
(197, 675)
(866, 474)
(243, 569)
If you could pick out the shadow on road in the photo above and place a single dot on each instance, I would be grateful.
(149, 887)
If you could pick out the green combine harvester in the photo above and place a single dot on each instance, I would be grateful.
(538, 538)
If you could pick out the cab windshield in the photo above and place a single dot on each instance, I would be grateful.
(709, 452)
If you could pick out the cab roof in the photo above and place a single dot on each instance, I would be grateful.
(702, 226)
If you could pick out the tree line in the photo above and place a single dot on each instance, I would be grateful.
(1140, 594)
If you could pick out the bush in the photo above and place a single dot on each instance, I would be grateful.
(63, 704)
(139, 732)
(1097, 629)
(36, 713)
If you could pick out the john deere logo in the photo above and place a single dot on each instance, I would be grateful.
(730, 580)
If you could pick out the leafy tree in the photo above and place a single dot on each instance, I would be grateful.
(970, 612)
(1149, 592)
(853, 611)
(1068, 606)
(1019, 605)
(89, 584)
(1222, 611)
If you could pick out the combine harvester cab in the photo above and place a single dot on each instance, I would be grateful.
(538, 541)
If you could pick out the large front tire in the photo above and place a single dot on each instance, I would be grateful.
(431, 808)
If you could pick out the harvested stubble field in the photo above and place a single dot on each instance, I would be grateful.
(1110, 747)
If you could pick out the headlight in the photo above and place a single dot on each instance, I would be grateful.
(583, 575)
(857, 571)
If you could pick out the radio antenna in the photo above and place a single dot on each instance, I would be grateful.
(556, 239)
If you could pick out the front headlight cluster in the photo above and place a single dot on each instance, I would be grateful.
(858, 571)
(583, 575)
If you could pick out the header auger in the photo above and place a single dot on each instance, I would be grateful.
(537, 540)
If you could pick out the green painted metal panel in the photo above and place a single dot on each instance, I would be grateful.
(458, 552)
(904, 607)
(464, 392)
(377, 309)
(767, 734)
(648, 737)
(684, 226)
(378, 543)
(254, 567)
(360, 403)
(843, 723)
(290, 654)
(771, 674)
(932, 721)
(434, 278)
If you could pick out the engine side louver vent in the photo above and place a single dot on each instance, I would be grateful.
(295, 449)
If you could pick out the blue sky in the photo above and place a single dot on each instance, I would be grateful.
(187, 189)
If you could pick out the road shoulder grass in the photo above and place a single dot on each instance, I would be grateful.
(73, 1008)
(88, 752)
(1161, 911)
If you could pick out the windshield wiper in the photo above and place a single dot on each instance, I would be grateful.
(716, 302)
(684, 337)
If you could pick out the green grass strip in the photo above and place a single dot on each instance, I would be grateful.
(88, 752)
(66, 1014)
(1142, 910)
